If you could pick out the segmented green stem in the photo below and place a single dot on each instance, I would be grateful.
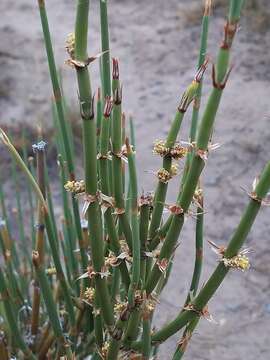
(90, 160)
(146, 339)
(39, 246)
(197, 164)
(105, 46)
(134, 225)
(29, 192)
(59, 102)
(68, 225)
(116, 137)
(161, 191)
(221, 270)
(50, 305)
(181, 348)
(104, 182)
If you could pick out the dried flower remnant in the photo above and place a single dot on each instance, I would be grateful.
(183, 342)
(202, 313)
(70, 45)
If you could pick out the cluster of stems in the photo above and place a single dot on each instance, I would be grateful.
(89, 282)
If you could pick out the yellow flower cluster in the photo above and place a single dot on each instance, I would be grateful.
(240, 262)
(51, 271)
(160, 148)
(75, 187)
(89, 295)
(164, 176)
(176, 152)
(120, 307)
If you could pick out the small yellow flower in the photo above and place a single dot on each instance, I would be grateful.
(240, 262)
(89, 295)
(160, 149)
(119, 307)
(51, 271)
(75, 187)
(164, 175)
(178, 152)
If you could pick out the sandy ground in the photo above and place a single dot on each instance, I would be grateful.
(157, 47)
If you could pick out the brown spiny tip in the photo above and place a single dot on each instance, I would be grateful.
(115, 71)
(208, 7)
(117, 96)
(128, 145)
(199, 74)
(108, 106)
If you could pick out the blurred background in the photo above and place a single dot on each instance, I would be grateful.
(157, 44)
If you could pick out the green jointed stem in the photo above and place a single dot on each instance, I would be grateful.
(194, 285)
(59, 102)
(134, 225)
(144, 223)
(29, 192)
(198, 256)
(11, 319)
(90, 160)
(146, 339)
(105, 46)
(98, 326)
(69, 230)
(50, 304)
(181, 348)
(161, 191)
(197, 163)
(201, 59)
(99, 119)
(50, 203)
(104, 181)
(56, 85)
(193, 130)
(221, 270)
(39, 245)
(116, 138)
